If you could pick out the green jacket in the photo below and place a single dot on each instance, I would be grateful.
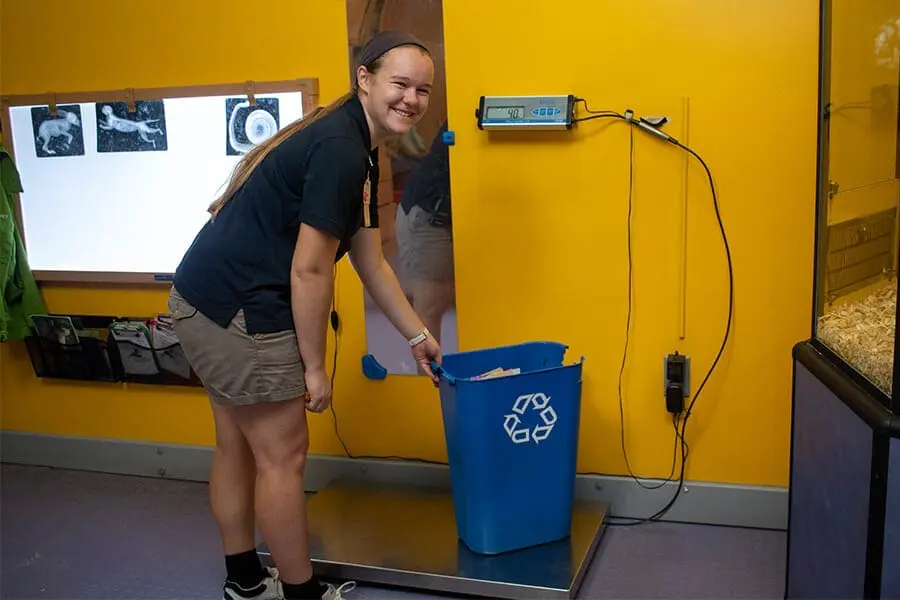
(20, 297)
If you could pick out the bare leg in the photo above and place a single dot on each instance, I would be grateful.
(431, 299)
(232, 484)
(278, 435)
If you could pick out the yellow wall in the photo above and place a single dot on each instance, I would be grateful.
(548, 209)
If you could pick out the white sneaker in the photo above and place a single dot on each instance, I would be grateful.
(336, 593)
(268, 589)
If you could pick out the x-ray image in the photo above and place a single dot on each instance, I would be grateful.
(144, 130)
(62, 135)
(248, 125)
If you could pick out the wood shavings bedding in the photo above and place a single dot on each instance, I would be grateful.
(862, 333)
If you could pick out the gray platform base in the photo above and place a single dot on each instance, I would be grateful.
(406, 537)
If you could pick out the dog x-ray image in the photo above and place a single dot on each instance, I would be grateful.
(62, 135)
(247, 126)
(144, 130)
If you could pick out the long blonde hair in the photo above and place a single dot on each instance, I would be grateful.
(251, 160)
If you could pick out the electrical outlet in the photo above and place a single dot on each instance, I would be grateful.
(677, 381)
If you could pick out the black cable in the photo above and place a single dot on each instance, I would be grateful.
(597, 114)
(628, 335)
(721, 351)
(685, 449)
(335, 327)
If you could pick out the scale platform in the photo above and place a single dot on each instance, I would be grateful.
(406, 537)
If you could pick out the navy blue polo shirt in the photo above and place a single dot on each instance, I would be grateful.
(428, 185)
(242, 258)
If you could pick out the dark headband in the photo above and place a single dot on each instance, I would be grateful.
(384, 41)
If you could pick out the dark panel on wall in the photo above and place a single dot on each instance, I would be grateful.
(890, 573)
(831, 466)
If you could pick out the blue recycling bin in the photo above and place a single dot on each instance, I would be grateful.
(512, 443)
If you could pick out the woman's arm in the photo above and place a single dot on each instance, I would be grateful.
(379, 279)
(312, 287)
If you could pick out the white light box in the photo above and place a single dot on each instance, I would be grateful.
(108, 189)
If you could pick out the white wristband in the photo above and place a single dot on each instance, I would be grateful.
(419, 338)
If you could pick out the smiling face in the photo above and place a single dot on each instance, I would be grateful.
(395, 92)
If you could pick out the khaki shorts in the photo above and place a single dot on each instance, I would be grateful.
(426, 250)
(236, 367)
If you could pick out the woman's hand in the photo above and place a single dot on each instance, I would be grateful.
(424, 352)
(318, 391)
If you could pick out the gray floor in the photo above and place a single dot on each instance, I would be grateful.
(77, 535)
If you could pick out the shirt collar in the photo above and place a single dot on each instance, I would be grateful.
(353, 108)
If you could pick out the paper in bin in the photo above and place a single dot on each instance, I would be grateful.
(495, 373)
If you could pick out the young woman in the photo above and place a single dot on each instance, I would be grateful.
(251, 301)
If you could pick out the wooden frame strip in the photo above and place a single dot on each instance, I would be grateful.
(309, 87)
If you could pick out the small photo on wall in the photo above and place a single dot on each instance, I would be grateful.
(119, 130)
(246, 126)
(60, 135)
(56, 328)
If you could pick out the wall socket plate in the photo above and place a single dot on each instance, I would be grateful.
(677, 369)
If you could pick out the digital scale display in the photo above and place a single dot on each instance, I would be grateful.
(525, 112)
(505, 112)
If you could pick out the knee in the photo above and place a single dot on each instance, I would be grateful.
(431, 310)
(285, 456)
(432, 298)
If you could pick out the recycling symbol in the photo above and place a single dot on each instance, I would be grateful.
(518, 431)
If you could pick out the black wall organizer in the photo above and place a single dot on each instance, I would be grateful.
(105, 357)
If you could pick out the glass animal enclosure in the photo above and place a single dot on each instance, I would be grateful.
(117, 183)
(859, 189)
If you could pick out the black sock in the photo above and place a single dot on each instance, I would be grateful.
(311, 590)
(244, 568)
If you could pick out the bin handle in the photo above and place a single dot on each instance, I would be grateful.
(441, 372)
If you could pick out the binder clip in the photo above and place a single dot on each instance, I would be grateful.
(129, 100)
(251, 93)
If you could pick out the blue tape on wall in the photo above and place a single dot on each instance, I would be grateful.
(372, 369)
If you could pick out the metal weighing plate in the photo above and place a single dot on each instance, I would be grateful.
(406, 537)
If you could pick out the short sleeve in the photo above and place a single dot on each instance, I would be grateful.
(334, 186)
